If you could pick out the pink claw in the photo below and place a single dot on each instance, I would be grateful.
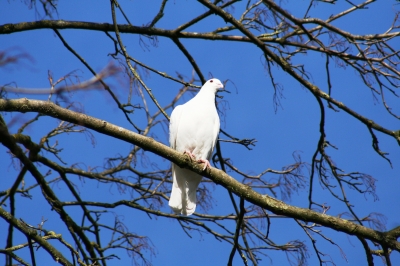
(191, 155)
(206, 163)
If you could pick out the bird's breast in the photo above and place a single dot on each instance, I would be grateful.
(196, 132)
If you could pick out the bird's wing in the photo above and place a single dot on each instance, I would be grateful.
(185, 182)
(215, 135)
(174, 125)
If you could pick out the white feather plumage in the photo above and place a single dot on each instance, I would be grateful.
(194, 128)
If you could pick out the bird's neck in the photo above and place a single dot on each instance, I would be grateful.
(206, 94)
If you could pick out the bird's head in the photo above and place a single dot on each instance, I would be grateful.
(213, 85)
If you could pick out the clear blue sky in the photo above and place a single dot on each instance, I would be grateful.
(249, 113)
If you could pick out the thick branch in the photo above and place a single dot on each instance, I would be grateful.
(124, 28)
(218, 176)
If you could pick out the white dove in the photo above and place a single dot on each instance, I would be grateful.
(193, 129)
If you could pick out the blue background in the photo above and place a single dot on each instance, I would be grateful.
(247, 112)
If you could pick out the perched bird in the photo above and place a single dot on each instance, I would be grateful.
(193, 129)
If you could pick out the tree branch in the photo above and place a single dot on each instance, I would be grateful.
(218, 176)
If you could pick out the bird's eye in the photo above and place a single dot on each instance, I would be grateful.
(211, 80)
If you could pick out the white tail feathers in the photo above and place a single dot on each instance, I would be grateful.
(183, 195)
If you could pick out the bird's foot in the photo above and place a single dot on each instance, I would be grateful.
(206, 163)
(191, 155)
